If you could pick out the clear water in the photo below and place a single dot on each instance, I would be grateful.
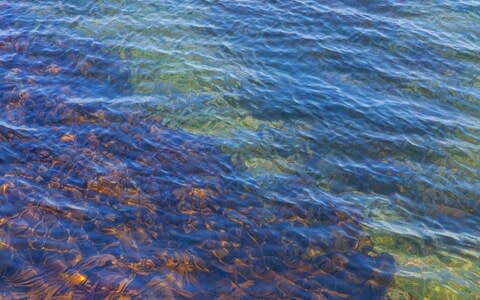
(365, 111)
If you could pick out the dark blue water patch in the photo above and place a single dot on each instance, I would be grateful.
(84, 192)
(46, 54)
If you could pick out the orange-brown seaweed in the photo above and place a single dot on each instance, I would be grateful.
(98, 203)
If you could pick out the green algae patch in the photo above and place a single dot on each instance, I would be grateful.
(166, 48)
(242, 135)
(476, 83)
(265, 164)
(172, 54)
(214, 117)
(429, 267)
(426, 272)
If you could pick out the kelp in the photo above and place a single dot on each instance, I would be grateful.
(99, 203)
(390, 146)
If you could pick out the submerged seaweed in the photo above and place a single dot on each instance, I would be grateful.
(98, 203)
(369, 107)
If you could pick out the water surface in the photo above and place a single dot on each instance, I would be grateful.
(199, 149)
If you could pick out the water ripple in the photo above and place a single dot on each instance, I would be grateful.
(372, 106)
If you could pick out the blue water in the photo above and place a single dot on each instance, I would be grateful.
(355, 123)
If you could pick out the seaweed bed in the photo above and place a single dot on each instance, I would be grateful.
(97, 203)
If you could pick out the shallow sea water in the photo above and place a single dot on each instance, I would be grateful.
(240, 149)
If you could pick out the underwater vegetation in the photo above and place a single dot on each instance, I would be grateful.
(100, 203)
(199, 149)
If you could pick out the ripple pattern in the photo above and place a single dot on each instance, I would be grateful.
(370, 106)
